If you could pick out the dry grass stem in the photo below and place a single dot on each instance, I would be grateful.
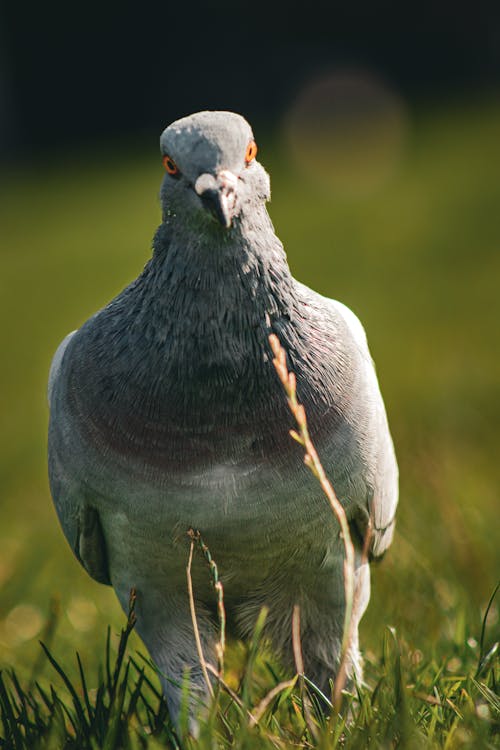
(220, 646)
(192, 608)
(299, 665)
(229, 690)
(262, 707)
(312, 461)
(296, 644)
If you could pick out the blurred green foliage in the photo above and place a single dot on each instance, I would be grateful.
(418, 260)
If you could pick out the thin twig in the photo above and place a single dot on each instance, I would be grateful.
(192, 608)
(313, 462)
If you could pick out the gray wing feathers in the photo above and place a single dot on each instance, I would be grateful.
(79, 520)
(384, 470)
(55, 366)
(90, 547)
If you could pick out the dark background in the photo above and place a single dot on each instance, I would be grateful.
(74, 73)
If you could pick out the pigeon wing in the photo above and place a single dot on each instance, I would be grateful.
(79, 519)
(383, 469)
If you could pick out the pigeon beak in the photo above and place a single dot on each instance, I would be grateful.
(218, 195)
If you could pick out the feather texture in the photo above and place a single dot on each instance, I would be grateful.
(166, 414)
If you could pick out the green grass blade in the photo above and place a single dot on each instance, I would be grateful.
(80, 713)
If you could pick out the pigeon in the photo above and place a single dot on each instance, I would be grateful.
(167, 415)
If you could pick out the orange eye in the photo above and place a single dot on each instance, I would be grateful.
(251, 152)
(170, 165)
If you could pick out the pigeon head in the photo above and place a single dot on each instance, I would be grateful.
(211, 174)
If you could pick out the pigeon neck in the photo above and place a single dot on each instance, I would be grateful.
(221, 286)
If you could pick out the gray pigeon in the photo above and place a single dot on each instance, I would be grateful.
(167, 414)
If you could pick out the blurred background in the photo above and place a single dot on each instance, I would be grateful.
(380, 127)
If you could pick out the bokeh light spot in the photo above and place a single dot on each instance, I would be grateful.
(82, 614)
(346, 131)
(22, 623)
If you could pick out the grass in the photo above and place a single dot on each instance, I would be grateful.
(411, 704)
(418, 260)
